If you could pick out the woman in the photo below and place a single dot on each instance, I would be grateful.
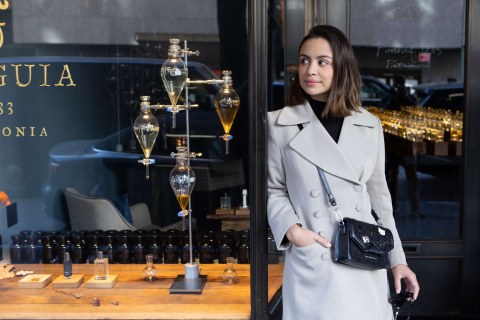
(324, 126)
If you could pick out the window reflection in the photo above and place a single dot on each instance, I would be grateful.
(415, 48)
(114, 54)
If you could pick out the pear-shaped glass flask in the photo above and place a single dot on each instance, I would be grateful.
(174, 73)
(229, 275)
(150, 271)
(182, 181)
(146, 130)
(227, 103)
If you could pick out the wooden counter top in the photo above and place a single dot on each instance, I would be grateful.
(137, 299)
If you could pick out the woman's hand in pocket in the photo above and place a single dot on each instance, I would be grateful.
(301, 237)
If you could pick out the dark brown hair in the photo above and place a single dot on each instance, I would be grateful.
(344, 96)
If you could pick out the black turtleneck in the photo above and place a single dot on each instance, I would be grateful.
(332, 125)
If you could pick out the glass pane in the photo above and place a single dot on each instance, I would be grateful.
(71, 77)
(411, 56)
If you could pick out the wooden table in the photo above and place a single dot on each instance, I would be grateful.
(137, 299)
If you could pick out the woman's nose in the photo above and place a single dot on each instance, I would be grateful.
(311, 70)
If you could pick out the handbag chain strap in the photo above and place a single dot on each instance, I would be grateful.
(333, 202)
(331, 198)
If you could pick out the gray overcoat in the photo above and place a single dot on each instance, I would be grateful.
(314, 286)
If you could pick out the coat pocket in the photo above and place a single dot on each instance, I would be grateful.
(310, 257)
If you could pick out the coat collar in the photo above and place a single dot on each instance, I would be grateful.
(345, 159)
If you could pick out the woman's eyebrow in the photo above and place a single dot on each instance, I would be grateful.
(323, 56)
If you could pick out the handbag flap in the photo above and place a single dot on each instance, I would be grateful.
(370, 238)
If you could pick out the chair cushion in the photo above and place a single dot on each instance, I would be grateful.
(121, 203)
(123, 206)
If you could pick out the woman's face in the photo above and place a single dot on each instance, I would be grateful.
(315, 68)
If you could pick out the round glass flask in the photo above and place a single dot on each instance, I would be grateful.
(149, 272)
(230, 274)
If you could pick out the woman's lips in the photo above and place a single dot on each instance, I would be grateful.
(311, 82)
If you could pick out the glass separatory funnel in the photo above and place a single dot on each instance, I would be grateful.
(174, 74)
(182, 180)
(227, 103)
(146, 130)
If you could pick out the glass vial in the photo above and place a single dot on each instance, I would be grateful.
(149, 272)
(67, 265)
(77, 249)
(29, 249)
(225, 249)
(101, 267)
(122, 249)
(170, 251)
(15, 249)
(244, 249)
(155, 248)
(138, 250)
(206, 249)
(230, 274)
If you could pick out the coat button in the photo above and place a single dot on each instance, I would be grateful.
(326, 257)
(359, 207)
(357, 188)
(314, 193)
(317, 214)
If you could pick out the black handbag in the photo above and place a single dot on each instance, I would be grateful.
(357, 243)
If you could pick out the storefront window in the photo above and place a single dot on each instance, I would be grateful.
(71, 77)
(411, 56)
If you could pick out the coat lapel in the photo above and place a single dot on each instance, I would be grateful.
(345, 159)
(358, 143)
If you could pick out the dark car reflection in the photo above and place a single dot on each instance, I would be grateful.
(373, 91)
(441, 95)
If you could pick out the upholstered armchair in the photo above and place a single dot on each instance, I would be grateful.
(92, 213)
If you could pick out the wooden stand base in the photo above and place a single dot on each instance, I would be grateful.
(73, 282)
(183, 285)
(35, 281)
(102, 284)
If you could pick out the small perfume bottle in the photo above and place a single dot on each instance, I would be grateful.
(149, 272)
(230, 275)
(101, 267)
(67, 265)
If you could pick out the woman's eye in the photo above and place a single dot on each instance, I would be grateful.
(303, 61)
(323, 62)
